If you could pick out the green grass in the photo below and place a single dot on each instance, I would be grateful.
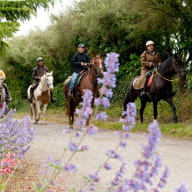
(182, 129)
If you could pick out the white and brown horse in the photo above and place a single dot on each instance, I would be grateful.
(41, 95)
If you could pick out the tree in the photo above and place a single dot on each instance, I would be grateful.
(11, 11)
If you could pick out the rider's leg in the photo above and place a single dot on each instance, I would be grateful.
(72, 83)
(8, 95)
(33, 86)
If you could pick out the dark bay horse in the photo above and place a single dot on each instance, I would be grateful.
(160, 88)
(88, 81)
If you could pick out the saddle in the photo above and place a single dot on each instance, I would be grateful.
(81, 75)
(139, 81)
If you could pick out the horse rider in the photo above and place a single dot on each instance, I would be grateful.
(8, 95)
(149, 60)
(38, 72)
(79, 63)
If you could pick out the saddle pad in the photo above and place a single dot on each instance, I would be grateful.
(66, 82)
(150, 80)
(138, 82)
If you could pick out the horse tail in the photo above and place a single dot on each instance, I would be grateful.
(130, 96)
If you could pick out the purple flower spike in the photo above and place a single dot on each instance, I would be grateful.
(72, 146)
(182, 188)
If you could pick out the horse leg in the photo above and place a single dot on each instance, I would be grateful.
(44, 110)
(155, 109)
(33, 113)
(38, 112)
(71, 111)
(143, 105)
(170, 102)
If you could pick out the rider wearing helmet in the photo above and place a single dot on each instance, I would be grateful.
(38, 72)
(149, 59)
(8, 95)
(79, 63)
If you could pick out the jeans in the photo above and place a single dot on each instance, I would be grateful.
(73, 80)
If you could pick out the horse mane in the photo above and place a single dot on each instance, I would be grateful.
(167, 64)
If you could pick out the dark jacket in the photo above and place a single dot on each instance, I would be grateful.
(39, 71)
(77, 59)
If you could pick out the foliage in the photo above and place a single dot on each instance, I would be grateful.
(15, 141)
(14, 10)
(122, 26)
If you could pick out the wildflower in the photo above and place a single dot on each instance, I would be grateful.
(84, 148)
(92, 130)
(107, 166)
(113, 154)
(86, 110)
(95, 178)
(72, 146)
(102, 116)
(182, 188)
(70, 167)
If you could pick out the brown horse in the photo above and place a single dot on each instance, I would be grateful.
(88, 81)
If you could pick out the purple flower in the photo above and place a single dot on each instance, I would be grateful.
(182, 188)
(66, 131)
(129, 115)
(84, 148)
(163, 179)
(102, 116)
(86, 108)
(95, 178)
(92, 130)
(123, 144)
(107, 166)
(113, 154)
(70, 167)
(72, 146)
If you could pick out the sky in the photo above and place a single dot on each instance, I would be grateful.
(42, 19)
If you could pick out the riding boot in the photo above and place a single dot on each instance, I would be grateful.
(143, 92)
(52, 99)
(70, 93)
(8, 95)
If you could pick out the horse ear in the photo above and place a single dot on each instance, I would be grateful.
(51, 72)
(95, 54)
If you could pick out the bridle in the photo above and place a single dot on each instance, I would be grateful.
(173, 67)
(100, 67)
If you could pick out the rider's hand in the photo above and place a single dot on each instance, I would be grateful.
(38, 77)
(83, 64)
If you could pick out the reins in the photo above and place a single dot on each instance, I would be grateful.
(160, 75)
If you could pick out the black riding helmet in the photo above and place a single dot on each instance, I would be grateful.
(81, 45)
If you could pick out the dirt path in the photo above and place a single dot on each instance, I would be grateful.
(49, 140)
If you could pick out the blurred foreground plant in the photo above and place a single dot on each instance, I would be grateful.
(15, 139)
(147, 176)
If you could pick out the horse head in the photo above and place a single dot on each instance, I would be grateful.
(98, 63)
(49, 80)
(179, 70)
